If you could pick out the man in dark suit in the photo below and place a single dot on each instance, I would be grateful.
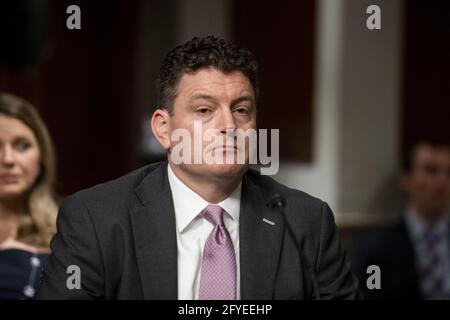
(414, 254)
(198, 230)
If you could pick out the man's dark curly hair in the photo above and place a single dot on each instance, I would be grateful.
(199, 53)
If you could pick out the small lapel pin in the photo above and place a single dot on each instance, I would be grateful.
(269, 222)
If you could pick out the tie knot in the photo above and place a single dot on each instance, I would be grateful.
(214, 214)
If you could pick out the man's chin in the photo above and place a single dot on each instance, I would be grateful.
(227, 170)
(213, 171)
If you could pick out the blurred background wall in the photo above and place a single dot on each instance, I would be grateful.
(347, 100)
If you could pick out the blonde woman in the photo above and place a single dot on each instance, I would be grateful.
(27, 201)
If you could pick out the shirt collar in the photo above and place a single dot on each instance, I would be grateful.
(188, 204)
(418, 226)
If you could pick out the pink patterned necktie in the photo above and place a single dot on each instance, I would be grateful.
(218, 275)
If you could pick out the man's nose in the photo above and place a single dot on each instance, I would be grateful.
(442, 179)
(226, 121)
(444, 176)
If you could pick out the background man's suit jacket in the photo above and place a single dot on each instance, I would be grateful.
(392, 250)
(122, 235)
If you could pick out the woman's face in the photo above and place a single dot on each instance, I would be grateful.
(19, 158)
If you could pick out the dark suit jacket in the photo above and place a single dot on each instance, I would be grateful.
(122, 235)
(391, 249)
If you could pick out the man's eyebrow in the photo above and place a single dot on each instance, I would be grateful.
(201, 96)
(243, 98)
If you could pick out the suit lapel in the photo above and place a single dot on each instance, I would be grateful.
(260, 243)
(153, 222)
(154, 228)
(406, 258)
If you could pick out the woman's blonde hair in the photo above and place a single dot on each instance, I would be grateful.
(38, 225)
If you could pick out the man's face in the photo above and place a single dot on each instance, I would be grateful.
(428, 182)
(219, 101)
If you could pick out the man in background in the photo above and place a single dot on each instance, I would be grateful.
(414, 255)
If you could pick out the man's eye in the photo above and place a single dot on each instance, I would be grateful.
(242, 110)
(203, 110)
(430, 169)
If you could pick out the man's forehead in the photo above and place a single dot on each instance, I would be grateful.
(428, 152)
(211, 80)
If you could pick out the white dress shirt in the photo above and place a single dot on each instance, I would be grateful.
(193, 231)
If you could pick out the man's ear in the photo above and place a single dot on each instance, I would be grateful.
(160, 124)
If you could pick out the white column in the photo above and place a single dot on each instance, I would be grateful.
(356, 110)
(320, 177)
